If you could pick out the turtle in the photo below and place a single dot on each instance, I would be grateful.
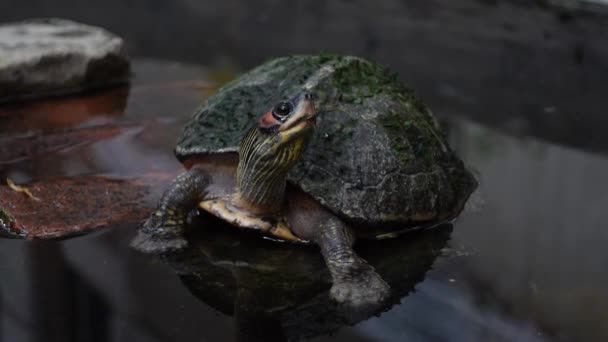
(320, 149)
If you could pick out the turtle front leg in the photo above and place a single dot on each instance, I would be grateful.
(163, 232)
(355, 282)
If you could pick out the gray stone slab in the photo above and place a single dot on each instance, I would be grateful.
(47, 57)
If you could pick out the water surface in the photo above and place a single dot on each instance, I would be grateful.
(526, 261)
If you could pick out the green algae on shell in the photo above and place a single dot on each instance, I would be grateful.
(378, 155)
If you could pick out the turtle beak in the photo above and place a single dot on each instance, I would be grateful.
(304, 114)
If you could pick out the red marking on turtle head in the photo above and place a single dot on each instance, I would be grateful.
(268, 120)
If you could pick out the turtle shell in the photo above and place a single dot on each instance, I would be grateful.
(377, 156)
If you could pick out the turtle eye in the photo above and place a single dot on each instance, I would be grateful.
(282, 110)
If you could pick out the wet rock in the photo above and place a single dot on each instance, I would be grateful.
(66, 207)
(46, 57)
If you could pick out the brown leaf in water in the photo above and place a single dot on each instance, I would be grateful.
(78, 205)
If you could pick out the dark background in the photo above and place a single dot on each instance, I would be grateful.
(527, 259)
(529, 67)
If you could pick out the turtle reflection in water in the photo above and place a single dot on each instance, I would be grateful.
(378, 164)
(275, 292)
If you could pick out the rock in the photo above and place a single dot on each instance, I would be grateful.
(47, 57)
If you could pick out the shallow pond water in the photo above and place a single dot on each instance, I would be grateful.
(526, 261)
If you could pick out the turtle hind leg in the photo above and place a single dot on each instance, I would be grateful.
(355, 282)
(164, 231)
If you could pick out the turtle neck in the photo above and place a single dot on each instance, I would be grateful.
(263, 165)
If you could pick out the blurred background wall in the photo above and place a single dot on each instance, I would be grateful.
(528, 67)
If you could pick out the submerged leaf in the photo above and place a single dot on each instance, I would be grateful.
(78, 205)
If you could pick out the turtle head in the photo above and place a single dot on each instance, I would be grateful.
(281, 135)
(272, 147)
(290, 119)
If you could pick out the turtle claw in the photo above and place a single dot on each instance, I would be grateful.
(151, 244)
(365, 290)
(154, 238)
